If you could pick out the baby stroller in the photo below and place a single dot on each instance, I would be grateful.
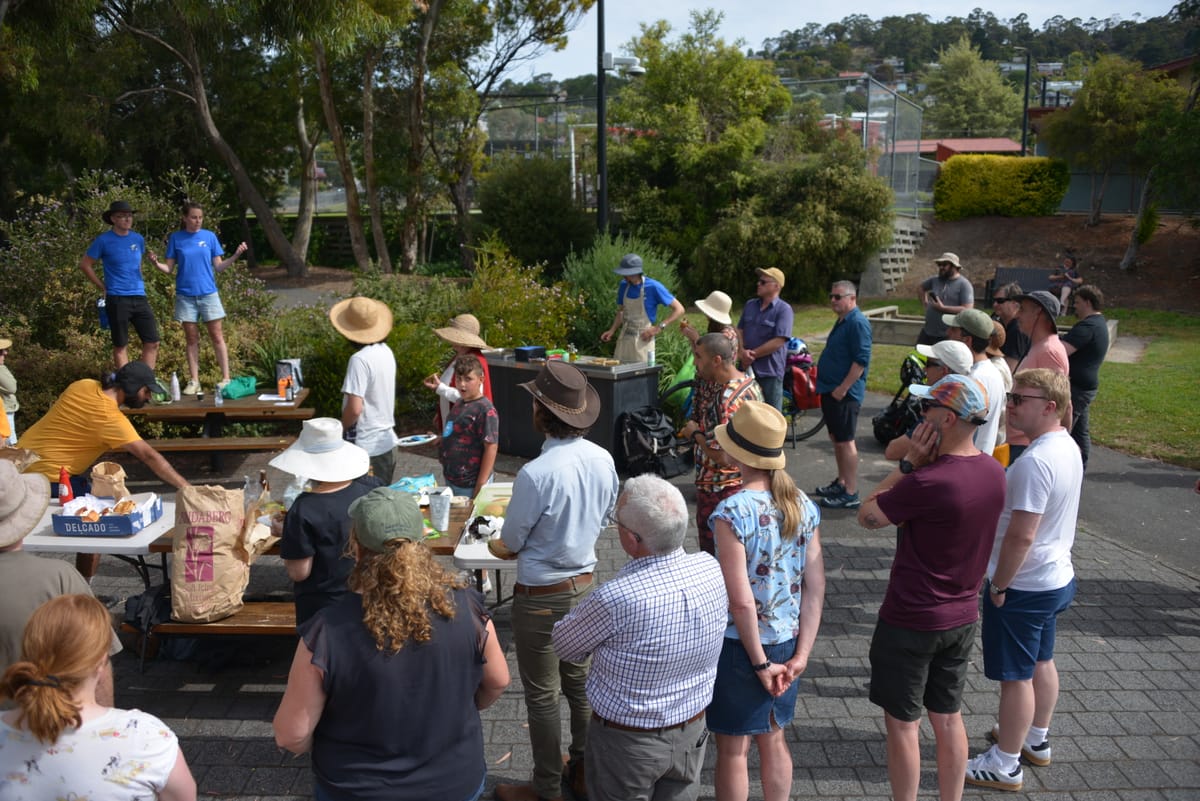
(904, 411)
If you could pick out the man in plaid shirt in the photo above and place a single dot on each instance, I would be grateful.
(654, 633)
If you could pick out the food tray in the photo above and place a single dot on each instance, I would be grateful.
(148, 510)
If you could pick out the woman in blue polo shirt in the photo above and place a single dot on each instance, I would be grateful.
(197, 253)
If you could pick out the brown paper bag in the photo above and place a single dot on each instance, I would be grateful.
(108, 481)
(208, 577)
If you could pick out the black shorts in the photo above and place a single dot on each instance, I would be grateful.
(124, 310)
(914, 669)
(841, 416)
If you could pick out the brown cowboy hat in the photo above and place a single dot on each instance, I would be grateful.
(565, 392)
(362, 320)
(463, 330)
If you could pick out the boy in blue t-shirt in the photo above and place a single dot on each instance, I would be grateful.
(471, 436)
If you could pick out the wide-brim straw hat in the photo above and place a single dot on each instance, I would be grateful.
(23, 500)
(5, 344)
(754, 436)
(463, 330)
(321, 454)
(565, 392)
(362, 320)
(716, 307)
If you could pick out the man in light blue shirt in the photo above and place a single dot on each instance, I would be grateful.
(559, 505)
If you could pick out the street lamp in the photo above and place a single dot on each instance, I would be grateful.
(1025, 108)
(604, 63)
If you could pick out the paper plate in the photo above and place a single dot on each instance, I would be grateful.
(416, 439)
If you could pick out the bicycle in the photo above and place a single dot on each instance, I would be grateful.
(676, 401)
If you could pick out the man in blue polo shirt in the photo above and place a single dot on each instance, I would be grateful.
(120, 251)
(842, 382)
(638, 299)
(763, 330)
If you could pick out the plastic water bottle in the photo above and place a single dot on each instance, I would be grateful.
(175, 386)
(218, 397)
(103, 313)
(650, 357)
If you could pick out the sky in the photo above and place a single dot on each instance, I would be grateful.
(756, 20)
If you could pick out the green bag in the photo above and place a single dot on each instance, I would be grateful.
(240, 387)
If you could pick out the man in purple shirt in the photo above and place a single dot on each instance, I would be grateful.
(763, 330)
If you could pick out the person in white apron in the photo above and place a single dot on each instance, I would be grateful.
(634, 296)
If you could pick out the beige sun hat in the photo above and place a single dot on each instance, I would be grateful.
(23, 500)
(362, 320)
(754, 436)
(320, 453)
(5, 344)
(463, 330)
(716, 307)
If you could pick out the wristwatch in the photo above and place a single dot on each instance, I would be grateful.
(995, 590)
(762, 667)
(906, 466)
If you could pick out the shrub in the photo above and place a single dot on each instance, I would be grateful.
(975, 186)
(528, 203)
(590, 276)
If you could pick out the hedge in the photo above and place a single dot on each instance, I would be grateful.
(974, 186)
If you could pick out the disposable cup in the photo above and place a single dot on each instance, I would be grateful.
(439, 509)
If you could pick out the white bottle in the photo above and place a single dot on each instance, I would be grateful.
(650, 357)
(218, 398)
(175, 386)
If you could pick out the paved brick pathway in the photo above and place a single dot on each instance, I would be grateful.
(1127, 726)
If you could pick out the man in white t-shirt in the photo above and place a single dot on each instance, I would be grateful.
(369, 390)
(974, 329)
(1031, 579)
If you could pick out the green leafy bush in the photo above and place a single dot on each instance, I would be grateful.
(590, 276)
(975, 186)
(528, 203)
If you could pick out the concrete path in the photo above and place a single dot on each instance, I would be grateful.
(1127, 726)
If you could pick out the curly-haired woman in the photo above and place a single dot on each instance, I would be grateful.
(386, 686)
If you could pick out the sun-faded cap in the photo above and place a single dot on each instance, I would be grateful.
(385, 514)
(961, 394)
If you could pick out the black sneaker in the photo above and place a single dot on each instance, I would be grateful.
(842, 501)
(835, 487)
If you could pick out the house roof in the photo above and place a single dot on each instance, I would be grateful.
(945, 148)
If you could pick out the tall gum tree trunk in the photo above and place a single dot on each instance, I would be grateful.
(1130, 258)
(414, 201)
(378, 234)
(302, 233)
(358, 240)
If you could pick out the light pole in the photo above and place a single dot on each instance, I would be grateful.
(604, 63)
(1025, 108)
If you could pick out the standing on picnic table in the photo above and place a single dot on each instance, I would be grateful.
(764, 328)
(471, 436)
(316, 528)
(197, 253)
(369, 389)
(462, 334)
(85, 422)
(62, 741)
(638, 299)
(654, 633)
(560, 502)
(8, 394)
(716, 308)
(120, 251)
(769, 549)
(386, 686)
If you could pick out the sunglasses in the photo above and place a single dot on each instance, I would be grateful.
(1000, 300)
(762, 281)
(927, 404)
(835, 296)
(1015, 398)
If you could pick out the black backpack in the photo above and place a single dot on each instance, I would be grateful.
(896, 420)
(648, 444)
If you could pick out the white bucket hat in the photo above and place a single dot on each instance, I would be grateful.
(322, 455)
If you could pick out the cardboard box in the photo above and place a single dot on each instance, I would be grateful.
(68, 524)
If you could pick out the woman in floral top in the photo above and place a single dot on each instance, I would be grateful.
(60, 743)
(770, 553)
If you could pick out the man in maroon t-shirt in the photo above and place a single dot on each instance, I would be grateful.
(946, 496)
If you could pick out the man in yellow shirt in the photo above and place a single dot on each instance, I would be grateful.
(85, 422)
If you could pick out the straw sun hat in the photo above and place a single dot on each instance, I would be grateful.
(23, 501)
(362, 320)
(463, 330)
(754, 436)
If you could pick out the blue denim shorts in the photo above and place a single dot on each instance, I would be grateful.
(740, 705)
(199, 308)
(1021, 633)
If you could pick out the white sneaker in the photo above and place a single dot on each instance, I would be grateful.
(1038, 755)
(985, 771)
(192, 388)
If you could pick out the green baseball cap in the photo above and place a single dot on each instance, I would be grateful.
(385, 514)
